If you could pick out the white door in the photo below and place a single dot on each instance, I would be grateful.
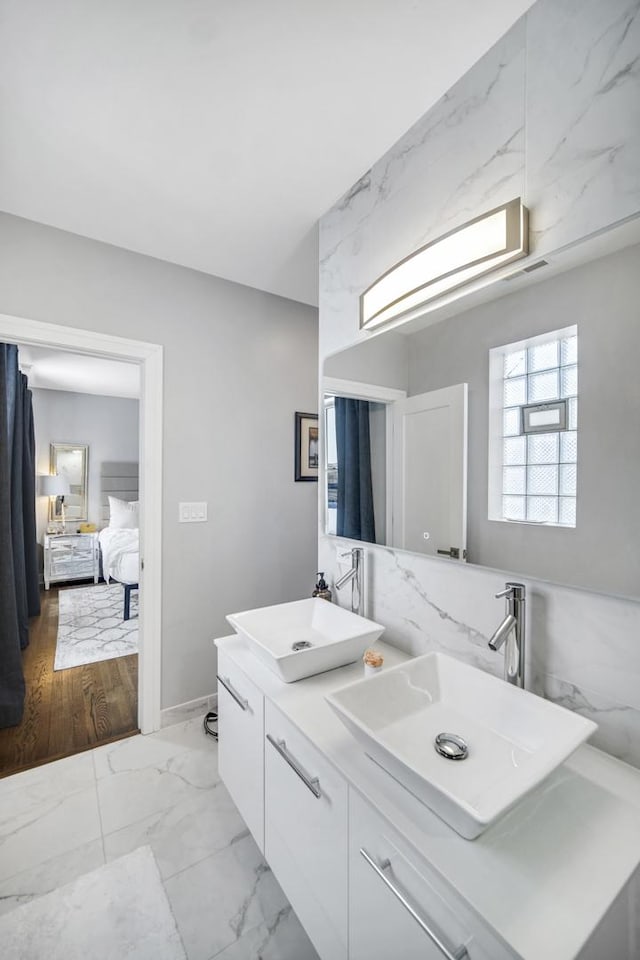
(430, 472)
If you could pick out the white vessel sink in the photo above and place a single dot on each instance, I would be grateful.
(514, 738)
(305, 637)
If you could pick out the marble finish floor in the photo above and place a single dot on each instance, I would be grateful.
(62, 820)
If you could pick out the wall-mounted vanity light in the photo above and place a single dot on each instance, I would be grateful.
(490, 241)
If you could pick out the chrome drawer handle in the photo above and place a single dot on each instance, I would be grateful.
(460, 954)
(226, 683)
(312, 783)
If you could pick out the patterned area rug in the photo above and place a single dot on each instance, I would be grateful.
(91, 627)
(119, 910)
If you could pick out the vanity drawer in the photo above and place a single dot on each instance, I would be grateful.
(306, 832)
(240, 751)
(395, 896)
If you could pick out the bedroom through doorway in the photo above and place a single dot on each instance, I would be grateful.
(84, 667)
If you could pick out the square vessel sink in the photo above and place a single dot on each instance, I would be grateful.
(514, 739)
(305, 637)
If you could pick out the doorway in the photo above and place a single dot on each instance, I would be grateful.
(149, 357)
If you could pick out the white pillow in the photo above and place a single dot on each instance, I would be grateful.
(123, 515)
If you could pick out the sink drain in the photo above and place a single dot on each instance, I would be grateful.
(451, 746)
(301, 645)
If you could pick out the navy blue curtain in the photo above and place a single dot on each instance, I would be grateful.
(19, 588)
(355, 492)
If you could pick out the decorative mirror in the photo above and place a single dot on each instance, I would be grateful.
(70, 461)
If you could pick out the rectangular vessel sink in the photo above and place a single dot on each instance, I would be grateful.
(305, 637)
(514, 738)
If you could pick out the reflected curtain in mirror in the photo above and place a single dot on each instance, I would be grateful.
(355, 518)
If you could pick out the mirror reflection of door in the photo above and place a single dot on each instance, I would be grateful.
(430, 473)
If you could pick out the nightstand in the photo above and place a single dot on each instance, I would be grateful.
(70, 556)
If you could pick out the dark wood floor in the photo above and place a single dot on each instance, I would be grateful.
(70, 710)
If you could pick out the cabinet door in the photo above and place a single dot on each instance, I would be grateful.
(399, 907)
(240, 752)
(306, 833)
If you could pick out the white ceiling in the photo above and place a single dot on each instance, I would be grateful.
(51, 369)
(215, 133)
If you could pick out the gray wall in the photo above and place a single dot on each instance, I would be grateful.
(238, 364)
(381, 360)
(108, 424)
(602, 299)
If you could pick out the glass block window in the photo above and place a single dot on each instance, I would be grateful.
(537, 466)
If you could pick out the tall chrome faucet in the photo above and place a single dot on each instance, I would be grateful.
(512, 632)
(354, 576)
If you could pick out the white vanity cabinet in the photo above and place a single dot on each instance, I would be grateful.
(241, 755)
(395, 898)
(306, 832)
(374, 875)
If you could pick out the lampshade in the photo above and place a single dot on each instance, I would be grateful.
(490, 241)
(54, 486)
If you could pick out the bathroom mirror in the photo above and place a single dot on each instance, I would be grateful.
(593, 287)
(70, 460)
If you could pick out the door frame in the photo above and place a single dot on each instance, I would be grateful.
(149, 356)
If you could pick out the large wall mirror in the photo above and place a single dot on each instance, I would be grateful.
(70, 461)
(458, 436)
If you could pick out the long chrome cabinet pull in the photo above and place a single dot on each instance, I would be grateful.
(312, 783)
(226, 683)
(459, 954)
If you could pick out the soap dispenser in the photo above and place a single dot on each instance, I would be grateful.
(322, 588)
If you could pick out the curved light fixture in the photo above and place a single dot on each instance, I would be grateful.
(476, 248)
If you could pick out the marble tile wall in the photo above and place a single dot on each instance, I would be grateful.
(582, 117)
(439, 174)
(551, 112)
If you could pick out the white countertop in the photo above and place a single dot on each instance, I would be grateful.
(544, 875)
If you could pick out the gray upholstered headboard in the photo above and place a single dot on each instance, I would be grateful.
(116, 480)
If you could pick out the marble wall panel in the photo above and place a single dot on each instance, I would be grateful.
(466, 154)
(583, 117)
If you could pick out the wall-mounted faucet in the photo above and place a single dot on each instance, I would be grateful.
(512, 632)
(355, 576)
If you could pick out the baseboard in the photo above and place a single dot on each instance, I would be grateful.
(189, 710)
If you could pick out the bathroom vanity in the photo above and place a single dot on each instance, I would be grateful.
(373, 874)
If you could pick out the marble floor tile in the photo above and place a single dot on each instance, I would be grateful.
(47, 876)
(130, 796)
(282, 938)
(223, 897)
(118, 910)
(70, 773)
(184, 834)
(155, 749)
(47, 812)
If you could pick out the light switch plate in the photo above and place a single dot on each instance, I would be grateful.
(192, 512)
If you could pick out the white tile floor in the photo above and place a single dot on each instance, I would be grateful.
(62, 820)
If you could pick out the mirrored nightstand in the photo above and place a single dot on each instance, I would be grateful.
(70, 556)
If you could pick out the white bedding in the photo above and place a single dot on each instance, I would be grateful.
(120, 554)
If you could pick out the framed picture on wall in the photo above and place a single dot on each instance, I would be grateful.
(306, 446)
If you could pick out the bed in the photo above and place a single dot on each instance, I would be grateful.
(120, 539)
